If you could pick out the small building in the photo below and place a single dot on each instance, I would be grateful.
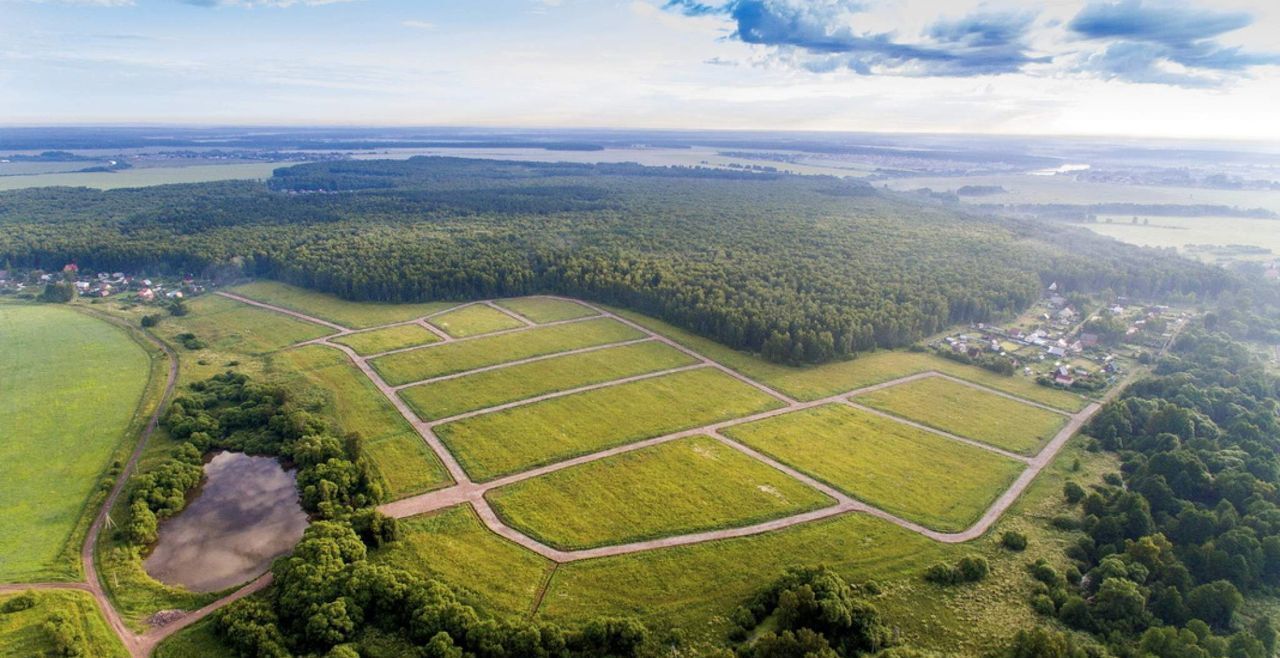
(1089, 340)
(1057, 352)
(146, 295)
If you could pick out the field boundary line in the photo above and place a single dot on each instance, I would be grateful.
(1004, 394)
(464, 339)
(518, 362)
(1024, 459)
(510, 313)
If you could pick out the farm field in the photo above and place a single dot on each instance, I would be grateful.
(356, 315)
(227, 325)
(395, 448)
(546, 309)
(674, 488)
(934, 481)
(1178, 232)
(72, 384)
(376, 341)
(969, 412)
(473, 320)
(143, 176)
(486, 570)
(416, 365)
(545, 432)
(493, 387)
(22, 632)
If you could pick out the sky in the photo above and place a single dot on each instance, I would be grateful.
(1071, 67)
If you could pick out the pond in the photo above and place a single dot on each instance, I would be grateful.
(245, 515)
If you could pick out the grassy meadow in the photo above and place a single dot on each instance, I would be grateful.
(72, 388)
(546, 309)
(377, 341)
(493, 387)
(513, 440)
(22, 632)
(936, 482)
(473, 320)
(969, 412)
(446, 359)
(196, 641)
(142, 176)
(356, 315)
(674, 488)
(227, 325)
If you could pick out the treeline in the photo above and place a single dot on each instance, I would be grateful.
(773, 264)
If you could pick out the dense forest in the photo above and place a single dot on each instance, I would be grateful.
(800, 269)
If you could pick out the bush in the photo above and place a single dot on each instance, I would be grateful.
(1073, 492)
(1043, 605)
(23, 601)
(149, 321)
(969, 569)
(1014, 541)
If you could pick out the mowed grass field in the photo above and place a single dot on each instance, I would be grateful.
(815, 382)
(453, 545)
(356, 315)
(377, 341)
(493, 387)
(396, 449)
(674, 488)
(546, 309)
(416, 365)
(516, 439)
(22, 632)
(934, 481)
(969, 412)
(473, 320)
(71, 386)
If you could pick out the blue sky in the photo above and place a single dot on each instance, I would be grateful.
(1127, 67)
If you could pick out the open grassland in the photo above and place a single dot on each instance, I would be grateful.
(453, 546)
(446, 359)
(71, 388)
(814, 382)
(1178, 232)
(391, 338)
(486, 389)
(509, 441)
(969, 412)
(197, 641)
(348, 397)
(674, 488)
(143, 176)
(357, 315)
(546, 309)
(473, 320)
(943, 484)
(22, 632)
(227, 325)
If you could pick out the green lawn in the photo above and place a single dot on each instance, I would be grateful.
(544, 432)
(452, 545)
(474, 320)
(72, 386)
(377, 341)
(357, 315)
(356, 405)
(674, 488)
(814, 382)
(22, 633)
(937, 482)
(969, 412)
(486, 389)
(545, 309)
(448, 358)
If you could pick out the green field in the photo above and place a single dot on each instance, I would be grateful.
(815, 382)
(227, 325)
(396, 449)
(71, 386)
(545, 432)
(196, 641)
(969, 412)
(486, 389)
(448, 358)
(144, 176)
(1178, 232)
(377, 341)
(674, 488)
(546, 309)
(943, 484)
(357, 315)
(473, 320)
(22, 633)
(487, 571)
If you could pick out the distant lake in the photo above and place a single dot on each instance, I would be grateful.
(246, 514)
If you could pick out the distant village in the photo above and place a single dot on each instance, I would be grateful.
(138, 288)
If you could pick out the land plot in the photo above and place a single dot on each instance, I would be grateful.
(969, 412)
(227, 325)
(357, 315)
(546, 309)
(376, 341)
(22, 632)
(494, 387)
(673, 488)
(416, 365)
(937, 482)
(454, 546)
(520, 438)
(473, 320)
